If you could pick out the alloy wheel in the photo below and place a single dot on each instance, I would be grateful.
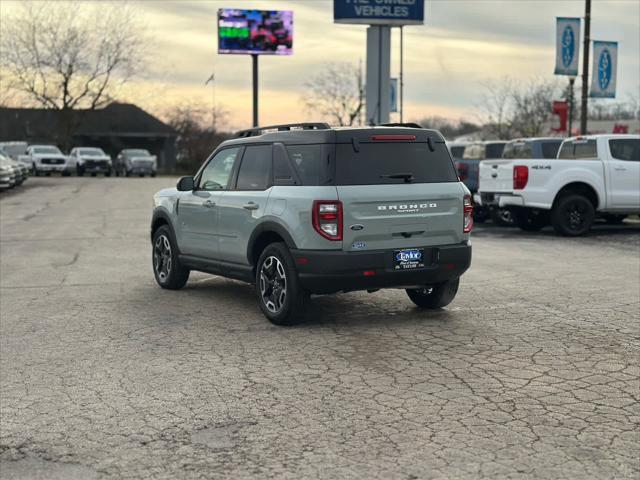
(273, 284)
(162, 258)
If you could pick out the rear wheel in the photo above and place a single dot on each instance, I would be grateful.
(572, 215)
(434, 296)
(530, 220)
(280, 294)
(167, 268)
(107, 173)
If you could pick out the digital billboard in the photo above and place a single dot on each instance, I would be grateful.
(261, 32)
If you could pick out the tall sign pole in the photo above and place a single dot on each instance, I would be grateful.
(585, 67)
(381, 17)
(401, 74)
(254, 66)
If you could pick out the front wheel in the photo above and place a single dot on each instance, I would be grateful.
(167, 268)
(280, 294)
(572, 215)
(434, 296)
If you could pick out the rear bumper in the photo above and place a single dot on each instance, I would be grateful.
(498, 200)
(329, 271)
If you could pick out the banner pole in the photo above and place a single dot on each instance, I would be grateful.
(570, 129)
(585, 67)
(254, 64)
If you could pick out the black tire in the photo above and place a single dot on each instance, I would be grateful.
(93, 174)
(48, 174)
(153, 174)
(502, 217)
(280, 295)
(107, 173)
(126, 173)
(141, 175)
(167, 269)
(117, 171)
(434, 296)
(572, 215)
(530, 220)
(79, 171)
(36, 173)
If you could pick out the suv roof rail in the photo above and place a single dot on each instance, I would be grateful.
(254, 132)
(407, 125)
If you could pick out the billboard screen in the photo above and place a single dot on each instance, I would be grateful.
(262, 32)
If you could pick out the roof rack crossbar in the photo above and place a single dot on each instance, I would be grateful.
(254, 132)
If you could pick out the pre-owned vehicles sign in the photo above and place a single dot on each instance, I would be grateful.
(379, 12)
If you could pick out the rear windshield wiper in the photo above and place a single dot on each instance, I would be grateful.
(407, 177)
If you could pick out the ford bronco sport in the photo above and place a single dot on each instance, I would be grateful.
(308, 209)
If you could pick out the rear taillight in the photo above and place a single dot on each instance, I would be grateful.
(327, 218)
(520, 177)
(463, 171)
(467, 226)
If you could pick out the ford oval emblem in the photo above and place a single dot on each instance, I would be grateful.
(359, 245)
(357, 227)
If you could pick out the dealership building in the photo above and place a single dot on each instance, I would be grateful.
(113, 128)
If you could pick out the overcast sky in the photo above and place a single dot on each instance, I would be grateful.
(462, 44)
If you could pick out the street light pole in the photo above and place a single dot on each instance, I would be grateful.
(585, 67)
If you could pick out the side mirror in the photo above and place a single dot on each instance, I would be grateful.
(185, 184)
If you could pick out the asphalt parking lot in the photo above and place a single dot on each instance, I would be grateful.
(533, 371)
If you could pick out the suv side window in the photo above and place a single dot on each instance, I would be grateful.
(255, 169)
(217, 173)
(550, 149)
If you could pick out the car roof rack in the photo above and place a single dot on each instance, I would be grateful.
(406, 125)
(254, 132)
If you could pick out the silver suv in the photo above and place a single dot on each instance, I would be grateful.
(308, 209)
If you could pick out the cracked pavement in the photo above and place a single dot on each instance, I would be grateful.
(532, 372)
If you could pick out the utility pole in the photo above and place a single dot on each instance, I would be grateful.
(401, 75)
(254, 66)
(571, 83)
(585, 67)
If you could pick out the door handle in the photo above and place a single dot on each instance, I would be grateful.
(209, 204)
(620, 169)
(251, 206)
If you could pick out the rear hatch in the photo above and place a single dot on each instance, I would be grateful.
(398, 194)
(496, 176)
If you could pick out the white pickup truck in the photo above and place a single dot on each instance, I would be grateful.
(592, 175)
(46, 159)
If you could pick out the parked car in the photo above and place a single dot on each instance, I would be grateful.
(47, 159)
(21, 170)
(91, 160)
(594, 174)
(13, 149)
(543, 147)
(467, 168)
(7, 173)
(136, 162)
(302, 209)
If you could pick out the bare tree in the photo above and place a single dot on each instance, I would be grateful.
(494, 106)
(197, 138)
(532, 107)
(511, 109)
(71, 55)
(336, 93)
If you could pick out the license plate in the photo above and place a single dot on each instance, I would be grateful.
(408, 259)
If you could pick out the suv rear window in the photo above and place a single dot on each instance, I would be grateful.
(311, 162)
(577, 149)
(625, 149)
(494, 150)
(374, 161)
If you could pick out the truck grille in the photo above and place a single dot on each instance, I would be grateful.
(52, 161)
